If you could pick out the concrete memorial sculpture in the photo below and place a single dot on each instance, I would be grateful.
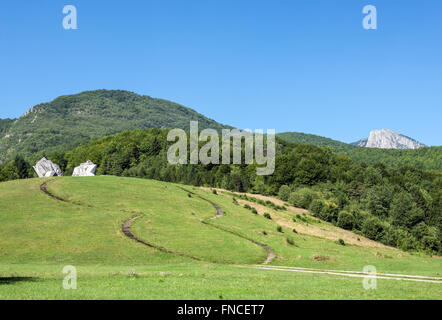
(46, 168)
(86, 169)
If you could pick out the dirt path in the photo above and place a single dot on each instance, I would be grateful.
(270, 254)
(43, 188)
(130, 235)
(353, 274)
(125, 227)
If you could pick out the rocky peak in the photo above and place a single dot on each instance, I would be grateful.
(388, 139)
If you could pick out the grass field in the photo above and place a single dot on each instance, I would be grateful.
(39, 235)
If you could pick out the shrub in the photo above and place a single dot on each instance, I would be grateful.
(214, 191)
(284, 192)
(431, 242)
(405, 241)
(346, 220)
(329, 212)
(279, 229)
(247, 206)
(267, 215)
(341, 242)
(316, 207)
(294, 231)
(302, 198)
(373, 228)
(264, 233)
(189, 195)
(254, 211)
(290, 241)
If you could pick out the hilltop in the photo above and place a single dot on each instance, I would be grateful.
(71, 120)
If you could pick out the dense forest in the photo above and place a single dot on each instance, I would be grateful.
(72, 120)
(399, 207)
(5, 124)
(305, 138)
(428, 158)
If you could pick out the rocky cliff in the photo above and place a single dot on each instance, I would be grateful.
(388, 139)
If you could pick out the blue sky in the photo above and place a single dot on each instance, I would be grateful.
(305, 66)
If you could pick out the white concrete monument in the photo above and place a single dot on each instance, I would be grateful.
(46, 168)
(86, 169)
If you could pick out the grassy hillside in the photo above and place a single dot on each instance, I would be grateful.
(71, 120)
(212, 260)
(427, 158)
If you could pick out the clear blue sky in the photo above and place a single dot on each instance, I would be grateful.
(305, 66)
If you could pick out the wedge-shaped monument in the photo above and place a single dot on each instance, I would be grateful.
(86, 169)
(46, 168)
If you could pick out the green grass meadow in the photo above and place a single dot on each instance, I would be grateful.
(39, 235)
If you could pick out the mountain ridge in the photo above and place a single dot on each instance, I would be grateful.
(307, 138)
(424, 158)
(71, 120)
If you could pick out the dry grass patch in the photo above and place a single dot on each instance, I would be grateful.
(285, 219)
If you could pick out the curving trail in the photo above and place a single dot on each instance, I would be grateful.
(270, 254)
(43, 188)
(126, 231)
(126, 226)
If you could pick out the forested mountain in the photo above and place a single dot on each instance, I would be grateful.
(398, 207)
(428, 158)
(298, 137)
(69, 121)
(4, 125)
